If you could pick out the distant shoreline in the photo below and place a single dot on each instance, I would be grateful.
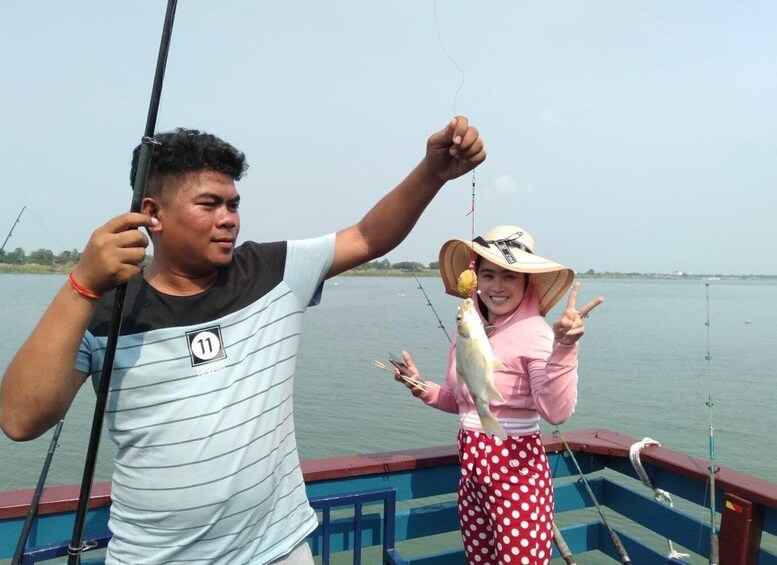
(30, 269)
(604, 275)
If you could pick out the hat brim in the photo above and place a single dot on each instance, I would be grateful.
(551, 280)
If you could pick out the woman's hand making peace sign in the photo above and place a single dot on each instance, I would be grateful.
(570, 326)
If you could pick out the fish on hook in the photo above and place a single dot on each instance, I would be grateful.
(475, 366)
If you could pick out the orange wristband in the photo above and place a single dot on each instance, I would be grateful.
(83, 291)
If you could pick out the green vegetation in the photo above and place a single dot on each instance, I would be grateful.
(44, 261)
(384, 268)
(40, 261)
(32, 269)
(390, 273)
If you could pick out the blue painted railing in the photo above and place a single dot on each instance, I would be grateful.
(400, 507)
(343, 534)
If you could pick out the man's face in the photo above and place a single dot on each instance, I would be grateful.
(200, 222)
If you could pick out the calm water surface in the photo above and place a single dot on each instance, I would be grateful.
(643, 371)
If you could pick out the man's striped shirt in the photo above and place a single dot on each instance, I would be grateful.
(200, 408)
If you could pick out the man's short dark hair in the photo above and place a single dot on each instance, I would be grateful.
(185, 151)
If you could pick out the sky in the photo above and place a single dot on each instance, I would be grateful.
(625, 136)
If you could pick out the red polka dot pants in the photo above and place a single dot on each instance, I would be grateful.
(505, 500)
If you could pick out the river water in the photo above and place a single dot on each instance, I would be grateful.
(643, 370)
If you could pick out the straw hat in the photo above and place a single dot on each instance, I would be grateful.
(512, 248)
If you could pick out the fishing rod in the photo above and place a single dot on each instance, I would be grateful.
(32, 511)
(714, 548)
(148, 142)
(12, 227)
(429, 303)
(562, 546)
(616, 541)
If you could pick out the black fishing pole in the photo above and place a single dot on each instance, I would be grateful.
(12, 227)
(32, 511)
(148, 142)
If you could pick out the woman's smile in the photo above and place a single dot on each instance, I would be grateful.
(500, 290)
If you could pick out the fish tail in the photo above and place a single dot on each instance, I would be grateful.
(488, 421)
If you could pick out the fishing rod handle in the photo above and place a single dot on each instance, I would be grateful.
(562, 546)
(714, 548)
(616, 541)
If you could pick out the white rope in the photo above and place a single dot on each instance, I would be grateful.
(659, 495)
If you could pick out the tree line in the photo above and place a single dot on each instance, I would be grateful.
(40, 257)
(386, 265)
(68, 258)
(71, 257)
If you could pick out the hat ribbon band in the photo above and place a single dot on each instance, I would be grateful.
(503, 245)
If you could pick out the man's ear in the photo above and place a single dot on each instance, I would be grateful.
(150, 207)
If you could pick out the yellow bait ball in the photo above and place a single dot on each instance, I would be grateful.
(467, 283)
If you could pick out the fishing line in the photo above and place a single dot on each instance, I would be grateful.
(454, 63)
(455, 113)
(714, 548)
(467, 284)
(47, 230)
(472, 224)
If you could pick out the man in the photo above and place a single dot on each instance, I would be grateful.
(199, 405)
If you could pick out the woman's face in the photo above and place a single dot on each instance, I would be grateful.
(501, 291)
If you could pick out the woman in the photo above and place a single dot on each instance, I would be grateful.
(505, 496)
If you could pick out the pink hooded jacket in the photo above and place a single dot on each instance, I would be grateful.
(540, 375)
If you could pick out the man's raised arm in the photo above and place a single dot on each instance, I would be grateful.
(450, 153)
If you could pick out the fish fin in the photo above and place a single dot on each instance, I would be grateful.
(492, 427)
(492, 393)
(497, 364)
(459, 378)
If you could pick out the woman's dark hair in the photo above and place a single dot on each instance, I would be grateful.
(185, 151)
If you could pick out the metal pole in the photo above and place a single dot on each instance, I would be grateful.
(616, 541)
(714, 548)
(138, 190)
